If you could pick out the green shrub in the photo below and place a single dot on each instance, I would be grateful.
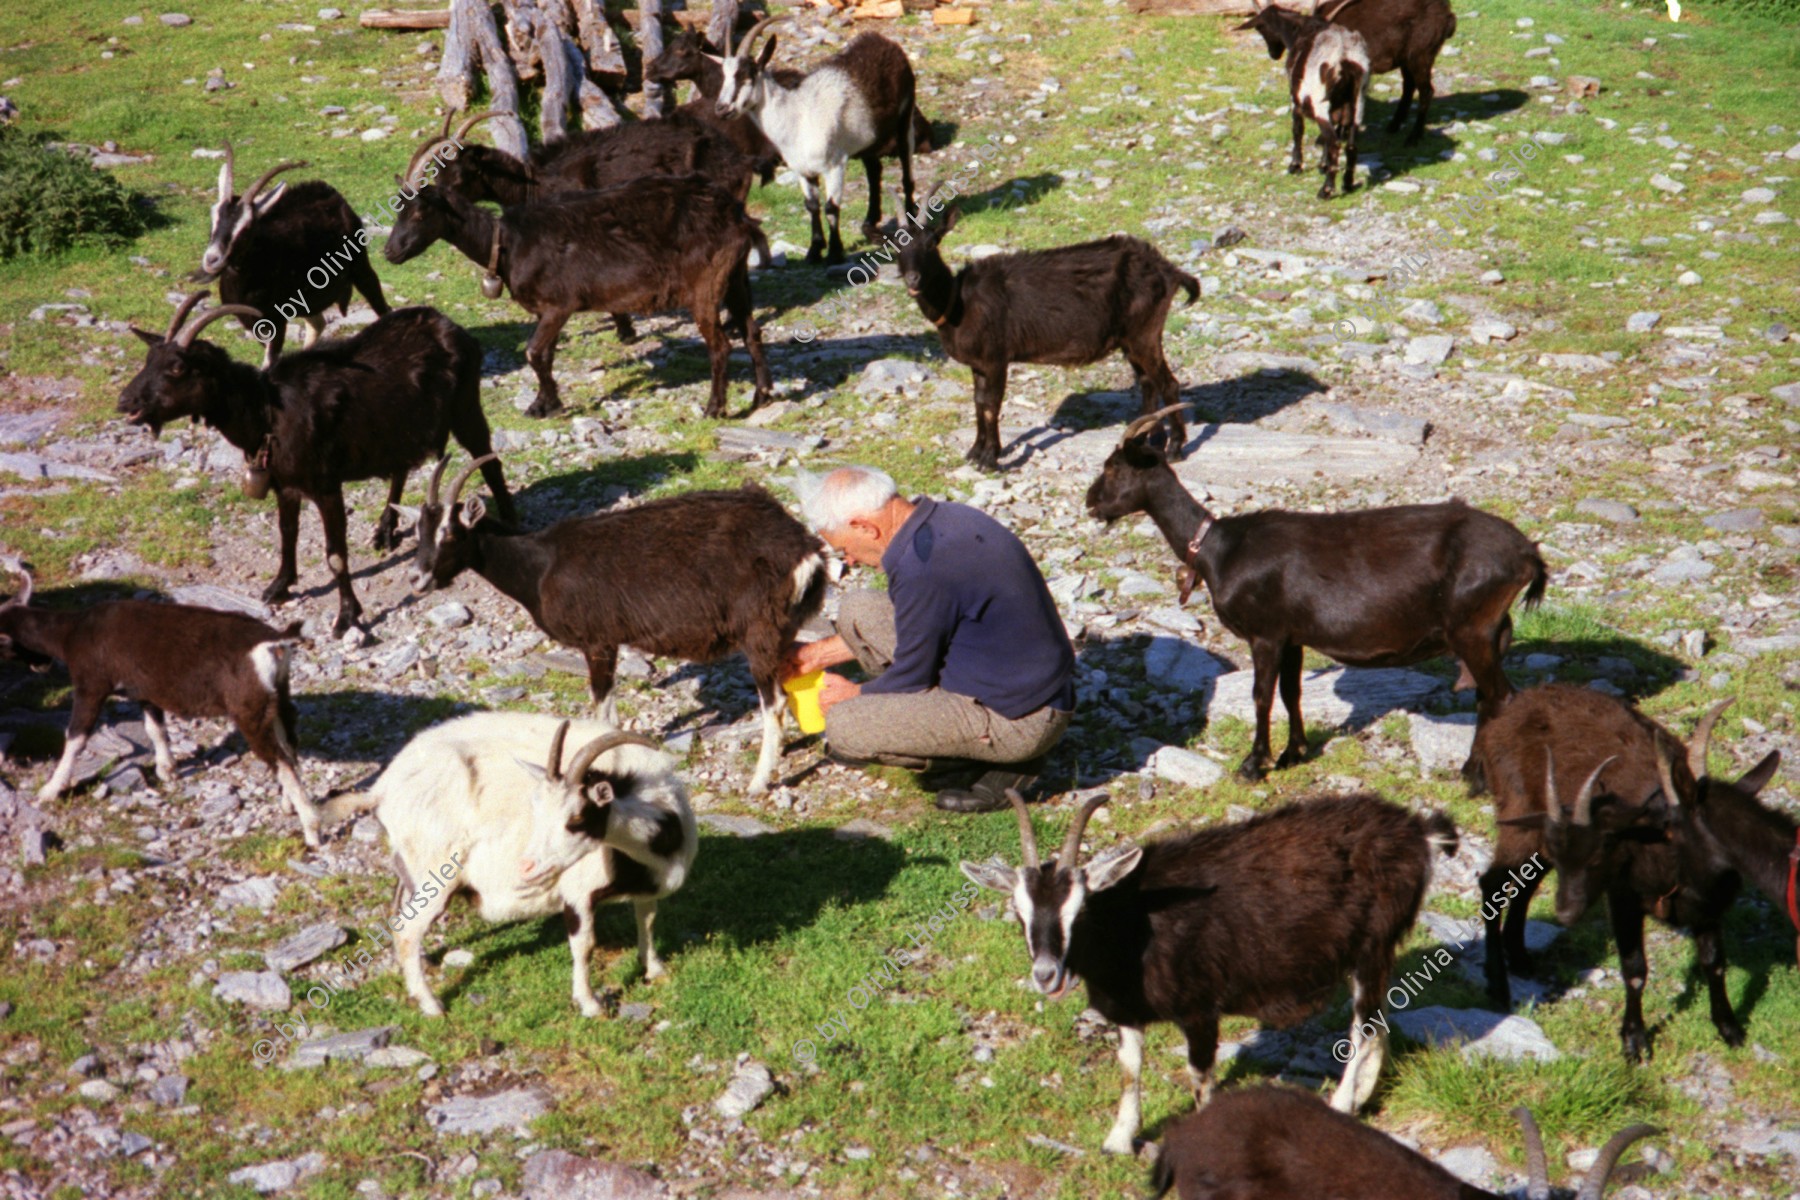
(50, 200)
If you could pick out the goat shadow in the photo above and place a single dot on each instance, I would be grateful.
(744, 891)
(1390, 149)
(1245, 399)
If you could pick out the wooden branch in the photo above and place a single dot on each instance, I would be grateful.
(456, 72)
(719, 30)
(472, 25)
(1190, 8)
(522, 18)
(429, 18)
(597, 111)
(657, 99)
(598, 41)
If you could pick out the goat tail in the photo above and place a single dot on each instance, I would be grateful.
(1540, 579)
(1188, 284)
(1440, 831)
(339, 809)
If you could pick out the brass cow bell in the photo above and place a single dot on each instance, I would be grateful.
(256, 481)
(491, 286)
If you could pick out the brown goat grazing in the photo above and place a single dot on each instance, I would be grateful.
(664, 241)
(1277, 1143)
(1262, 918)
(171, 658)
(1328, 70)
(1378, 588)
(1622, 837)
(1069, 306)
(1404, 34)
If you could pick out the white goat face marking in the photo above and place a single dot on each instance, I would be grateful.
(269, 661)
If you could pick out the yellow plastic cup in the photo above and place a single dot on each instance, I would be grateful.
(805, 691)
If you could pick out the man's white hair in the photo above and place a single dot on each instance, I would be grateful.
(832, 501)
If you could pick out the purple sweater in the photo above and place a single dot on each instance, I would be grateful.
(972, 615)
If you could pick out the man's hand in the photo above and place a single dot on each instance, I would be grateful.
(807, 657)
(834, 688)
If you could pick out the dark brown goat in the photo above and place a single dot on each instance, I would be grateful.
(1404, 34)
(695, 577)
(371, 406)
(1735, 830)
(1382, 587)
(267, 245)
(663, 242)
(172, 659)
(1277, 1143)
(1328, 70)
(1263, 918)
(1069, 306)
(689, 56)
(1616, 838)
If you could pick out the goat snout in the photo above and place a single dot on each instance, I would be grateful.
(531, 872)
(1049, 977)
(422, 583)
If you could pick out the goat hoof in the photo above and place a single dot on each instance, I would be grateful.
(815, 253)
(1730, 1032)
(544, 407)
(1295, 168)
(1325, 193)
(1292, 756)
(1252, 769)
(1636, 1048)
(277, 593)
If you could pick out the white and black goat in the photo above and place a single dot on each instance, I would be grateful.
(851, 105)
(1068, 306)
(695, 577)
(269, 245)
(1277, 1143)
(1378, 588)
(466, 806)
(1328, 73)
(1622, 837)
(661, 242)
(1263, 918)
(370, 406)
(172, 659)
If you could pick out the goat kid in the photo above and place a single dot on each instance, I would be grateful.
(1262, 918)
(1069, 306)
(530, 841)
(370, 406)
(1278, 1143)
(266, 244)
(852, 104)
(695, 577)
(1328, 71)
(1403, 35)
(170, 658)
(1383, 587)
(1616, 839)
(665, 241)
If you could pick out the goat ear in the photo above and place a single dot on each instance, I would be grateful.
(405, 512)
(714, 59)
(535, 770)
(950, 216)
(1757, 777)
(1112, 865)
(599, 792)
(473, 511)
(1528, 821)
(269, 199)
(146, 337)
(768, 52)
(992, 874)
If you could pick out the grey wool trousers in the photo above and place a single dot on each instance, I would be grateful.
(905, 728)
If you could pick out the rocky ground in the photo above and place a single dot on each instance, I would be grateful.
(1658, 478)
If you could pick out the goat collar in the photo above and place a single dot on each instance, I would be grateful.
(1793, 873)
(1189, 574)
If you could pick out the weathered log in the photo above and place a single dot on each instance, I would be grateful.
(598, 41)
(1190, 8)
(719, 29)
(472, 36)
(427, 18)
(658, 100)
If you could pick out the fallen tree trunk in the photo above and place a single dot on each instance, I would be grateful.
(472, 37)
(429, 18)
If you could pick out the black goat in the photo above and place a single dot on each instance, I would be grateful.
(1277, 1143)
(1404, 34)
(171, 658)
(1069, 306)
(695, 577)
(1262, 918)
(371, 406)
(853, 104)
(1328, 70)
(267, 247)
(1378, 588)
(1621, 837)
(1736, 830)
(690, 56)
(662, 242)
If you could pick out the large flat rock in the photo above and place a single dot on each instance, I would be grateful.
(1349, 697)
(1246, 454)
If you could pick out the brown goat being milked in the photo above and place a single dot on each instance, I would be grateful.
(1383, 587)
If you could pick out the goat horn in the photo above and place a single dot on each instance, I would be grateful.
(257, 187)
(1701, 742)
(1536, 1168)
(1552, 806)
(1148, 421)
(228, 184)
(749, 39)
(1663, 773)
(437, 475)
(1584, 799)
(23, 596)
(1072, 844)
(553, 765)
(1027, 837)
(181, 313)
(456, 485)
(186, 337)
(412, 164)
(584, 758)
(1595, 1184)
(463, 130)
